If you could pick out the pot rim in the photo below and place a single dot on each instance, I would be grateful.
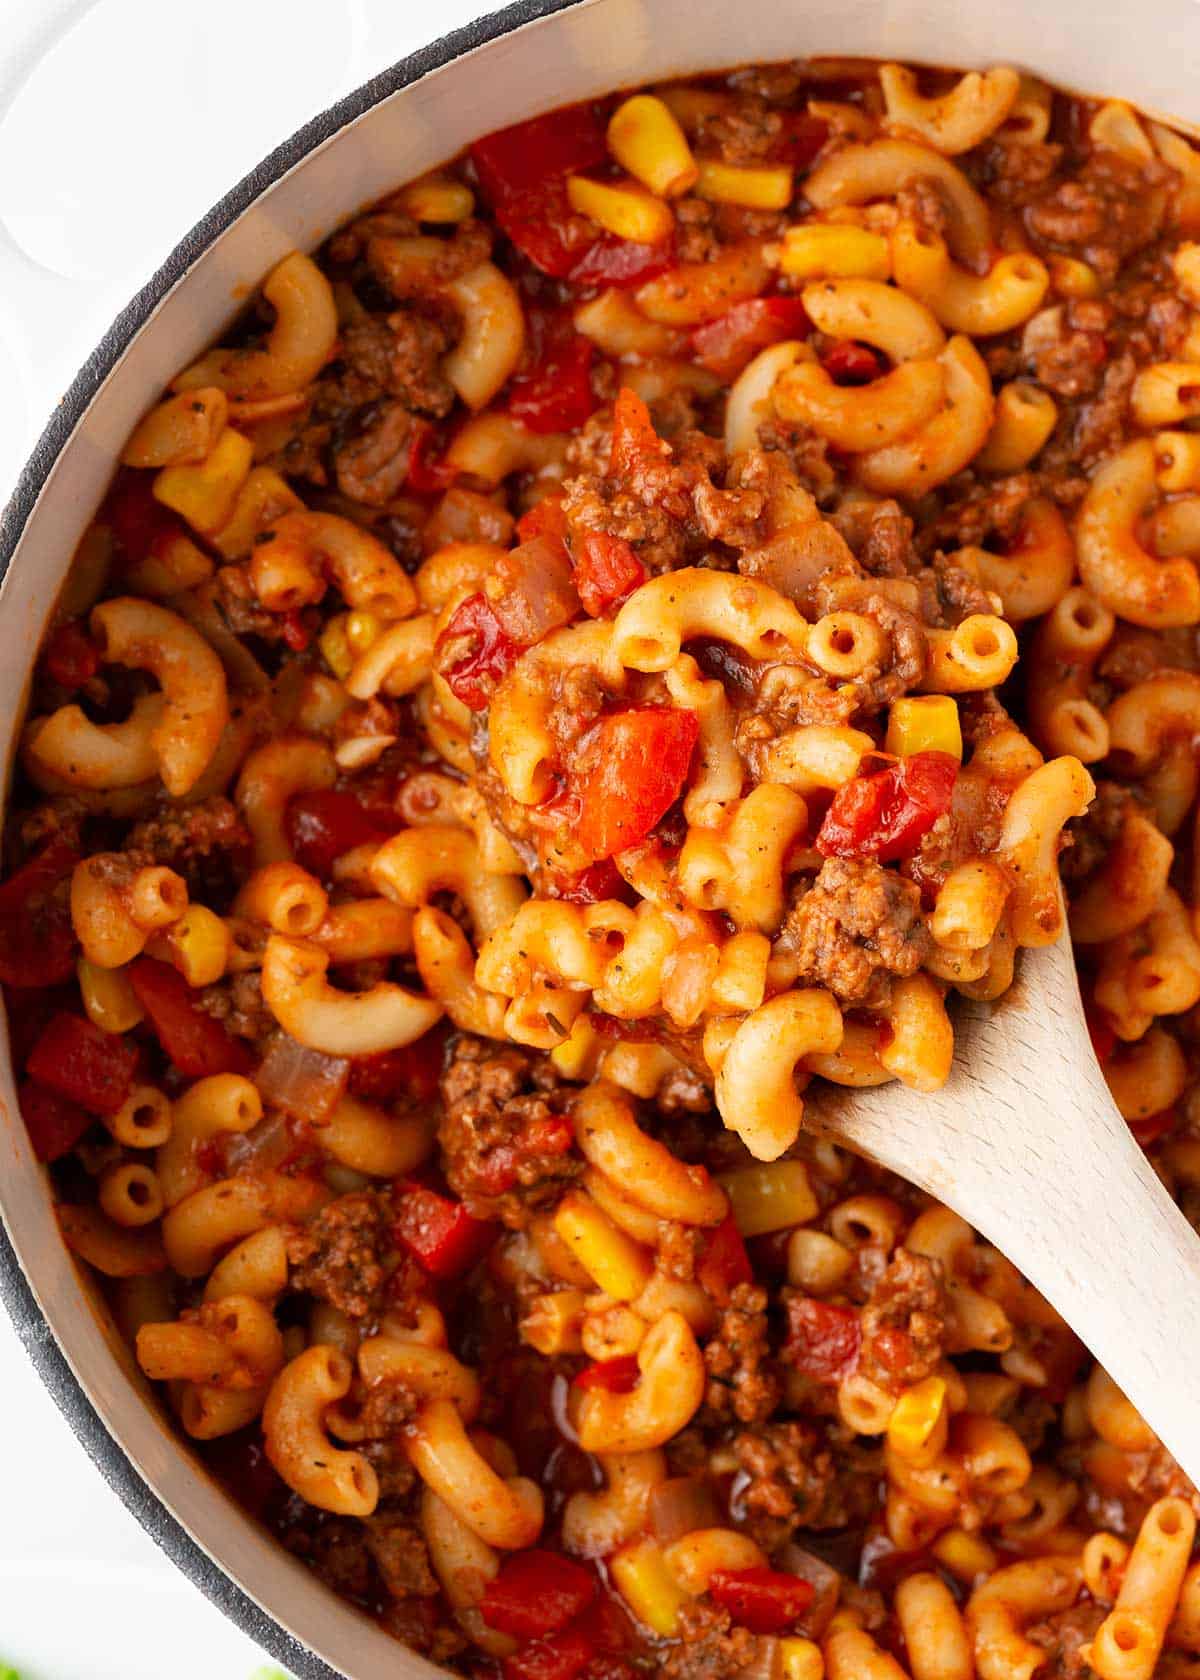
(31, 1324)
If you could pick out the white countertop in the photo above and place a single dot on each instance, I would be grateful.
(121, 122)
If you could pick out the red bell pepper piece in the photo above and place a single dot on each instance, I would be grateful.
(37, 939)
(322, 825)
(633, 434)
(555, 393)
(848, 363)
(885, 815)
(77, 1059)
(439, 1233)
(610, 261)
(500, 1167)
(587, 886)
(490, 652)
(140, 523)
(639, 762)
(823, 1339)
(615, 1376)
(71, 658)
(1100, 1031)
(725, 345)
(564, 1656)
(412, 1072)
(545, 519)
(606, 571)
(763, 1600)
(518, 159)
(536, 1593)
(724, 1262)
(54, 1123)
(191, 1039)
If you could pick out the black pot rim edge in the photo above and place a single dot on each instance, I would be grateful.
(31, 1325)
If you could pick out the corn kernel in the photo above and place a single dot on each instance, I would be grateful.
(622, 208)
(770, 1197)
(1071, 278)
(108, 997)
(554, 1322)
(647, 1586)
(823, 251)
(918, 1418)
(362, 628)
(762, 187)
(646, 139)
(205, 495)
(334, 643)
(965, 1555)
(199, 943)
(576, 1057)
(800, 1659)
(619, 1266)
(437, 200)
(924, 723)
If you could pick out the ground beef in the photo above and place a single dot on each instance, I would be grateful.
(990, 507)
(1155, 1475)
(385, 1409)
(177, 837)
(1100, 424)
(792, 1479)
(745, 132)
(401, 1555)
(1062, 1637)
(853, 928)
(234, 599)
(1091, 837)
(506, 1149)
(1108, 208)
(1011, 168)
(393, 269)
(338, 1256)
(683, 1091)
(373, 466)
(237, 1002)
(741, 1380)
(334, 1548)
(397, 355)
(709, 1646)
(679, 1247)
(904, 1322)
(922, 202)
(1065, 350)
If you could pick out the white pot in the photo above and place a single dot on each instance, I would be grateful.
(529, 58)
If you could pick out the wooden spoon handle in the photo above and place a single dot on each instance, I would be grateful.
(1025, 1142)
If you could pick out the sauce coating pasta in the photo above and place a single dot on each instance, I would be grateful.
(639, 621)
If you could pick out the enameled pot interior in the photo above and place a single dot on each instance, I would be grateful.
(538, 54)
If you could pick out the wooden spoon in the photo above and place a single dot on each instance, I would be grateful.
(1025, 1142)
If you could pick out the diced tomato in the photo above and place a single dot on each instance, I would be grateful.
(296, 633)
(1101, 1033)
(885, 815)
(724, 1262)
(54, 1123)
(139, 522)
(610, 261)
(523, 174)
(439, 1233)
(615, 1376)
(725, 345)
(893, 1347)
(77, 1059)
(518, 159)
(555, 393)
(823, 1339)
(71, 658)
(424, 475)
(536, 1592)
(474, 652)
(545, 519)
(848, 363)
(501, 1165)
(564, 1656)
(606, 571)
(763, 1600)
(633, 434)
(639, 762)
(37, 939)
(801, 138)
(411, 1072)
(587, 886)
(321, 826)
(192, 1040)
(1152, 1127)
